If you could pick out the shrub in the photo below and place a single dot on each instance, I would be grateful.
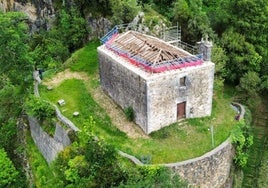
(129, 112)
(146, 159)
(242, 139)
(39, 108)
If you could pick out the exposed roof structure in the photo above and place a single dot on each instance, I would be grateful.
(150, 53)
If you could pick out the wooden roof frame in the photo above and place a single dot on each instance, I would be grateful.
(151, 53)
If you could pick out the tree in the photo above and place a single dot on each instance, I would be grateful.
(72, 28)
(250, 83)
(219, 58)
(8, 173)
(242, 56)
(243, 27)
(124, 10)
(15, 61)
(48, 50)
(193, 20)
(15, 74)
(96, 7)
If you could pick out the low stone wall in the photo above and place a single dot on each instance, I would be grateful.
(210, 170)
(241, 109)
(47, 145)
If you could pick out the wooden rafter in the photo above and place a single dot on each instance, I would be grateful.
(151, 50)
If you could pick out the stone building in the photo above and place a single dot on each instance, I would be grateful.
(161, 82)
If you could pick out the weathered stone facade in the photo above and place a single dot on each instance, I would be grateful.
(155, 97)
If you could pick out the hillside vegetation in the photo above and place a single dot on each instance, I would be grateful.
(237, 28)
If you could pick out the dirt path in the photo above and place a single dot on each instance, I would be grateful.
(117, 116)
(66, 74)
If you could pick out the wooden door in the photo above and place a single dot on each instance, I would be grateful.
(181, 110)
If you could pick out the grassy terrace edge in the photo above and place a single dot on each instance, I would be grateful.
(177, 142)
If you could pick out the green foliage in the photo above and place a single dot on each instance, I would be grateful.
(43, 174)
(15, 78)
(77, 168)
(193, 20)
(95, 7)
(10, 99)
(103, 163)
(14, 50)
(163, 133)
(164, 7)
(92, 163)
(48, 49)
(8, 135)
(219, 57)
(124, 10)
(242, 56)
(242, 139)
(247, 116)
(152, 176)
(129, 112)
(39, 108)
(8, 173)
(244, 37)
(250, 83)
(262, 179)
(72, 28)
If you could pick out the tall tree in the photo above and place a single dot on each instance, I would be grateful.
(242, 56)
(72, 28)
(15, 61)
(124, 10)
(243, 27)
(15, 79)
(193, 20)
(15, 71)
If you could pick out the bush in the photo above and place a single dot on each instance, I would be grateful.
(146, 159)
(129, 112)
(242, 139)
(39, 108)
(152, 176)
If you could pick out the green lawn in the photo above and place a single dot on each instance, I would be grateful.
(174, 143)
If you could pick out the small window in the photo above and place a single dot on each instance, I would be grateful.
(183, 81)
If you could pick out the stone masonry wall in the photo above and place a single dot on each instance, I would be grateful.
(209, 170)
(154, 97)
(47, 145)
(125, 87)
(164, 92)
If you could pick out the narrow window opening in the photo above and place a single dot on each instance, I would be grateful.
(183, 81)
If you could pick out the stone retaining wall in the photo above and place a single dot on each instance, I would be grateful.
(47, 145)
(210, 170)
(241, 109)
